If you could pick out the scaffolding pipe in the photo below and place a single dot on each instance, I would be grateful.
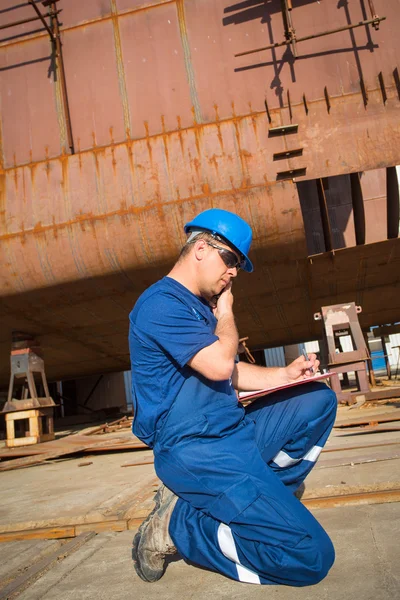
(314, 35)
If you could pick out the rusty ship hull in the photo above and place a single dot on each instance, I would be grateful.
(148, 117)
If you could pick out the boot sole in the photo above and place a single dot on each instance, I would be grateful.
(137, 538)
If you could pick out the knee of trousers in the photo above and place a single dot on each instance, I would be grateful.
(325, 405)
(329, 404)
(315, 558)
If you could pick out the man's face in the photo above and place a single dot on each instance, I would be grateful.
(216, 274)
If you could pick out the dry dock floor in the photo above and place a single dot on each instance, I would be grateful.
(66, 526)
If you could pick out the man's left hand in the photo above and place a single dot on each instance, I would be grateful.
(301, 368)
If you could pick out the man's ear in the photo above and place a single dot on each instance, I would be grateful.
(199, 249)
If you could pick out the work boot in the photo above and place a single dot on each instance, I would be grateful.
(152, 542)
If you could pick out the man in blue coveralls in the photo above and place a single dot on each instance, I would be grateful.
(230, 473)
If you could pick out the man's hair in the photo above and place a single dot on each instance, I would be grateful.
(202, 235)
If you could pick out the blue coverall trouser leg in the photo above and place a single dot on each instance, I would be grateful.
(235, 473)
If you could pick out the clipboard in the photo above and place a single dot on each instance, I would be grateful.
(270, 390)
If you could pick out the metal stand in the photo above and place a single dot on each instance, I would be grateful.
(341, 320)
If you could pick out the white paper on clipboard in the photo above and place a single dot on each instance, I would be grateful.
(264, 392)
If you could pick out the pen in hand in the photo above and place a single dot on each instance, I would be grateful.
(307, 359)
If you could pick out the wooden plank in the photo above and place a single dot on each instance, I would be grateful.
(373, 420)
(365, 430)
(370, 497)
(138, 464)
(29, 439)
(343, 461)
(100, 526)
(10, 430)
(358, 447)
(124, 441)
(374, 497)
(34, 426)
(31, 574)
(39, 458)
(47, 533)
(117, 447)
(135, 523)
(17, 415)
(385, 394)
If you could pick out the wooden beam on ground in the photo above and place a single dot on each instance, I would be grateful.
(41, 533)
(365, 429)
(40, 458)
(358, 446)
(344, 460)
(372, 421)
(375, 497)
(138, 464)
(140, 512)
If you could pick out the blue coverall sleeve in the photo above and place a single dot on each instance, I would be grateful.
(175, 328)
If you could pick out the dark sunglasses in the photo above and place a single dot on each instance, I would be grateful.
(230, 259)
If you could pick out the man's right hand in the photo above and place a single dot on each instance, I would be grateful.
(217, 361)
(224, 302)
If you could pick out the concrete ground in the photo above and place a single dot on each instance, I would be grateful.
(366, 567)
(63, 492)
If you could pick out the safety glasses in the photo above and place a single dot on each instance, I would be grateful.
(229, 258)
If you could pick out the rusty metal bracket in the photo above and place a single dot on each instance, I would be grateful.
(382, 86)
(268, 113)
(283, 130)
(291, 174)
(396, 78)
(327, 99)
(364, 92)
(305, 104)
(289, 106)
(288, 154)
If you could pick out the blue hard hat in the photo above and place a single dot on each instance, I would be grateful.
(228, 226)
